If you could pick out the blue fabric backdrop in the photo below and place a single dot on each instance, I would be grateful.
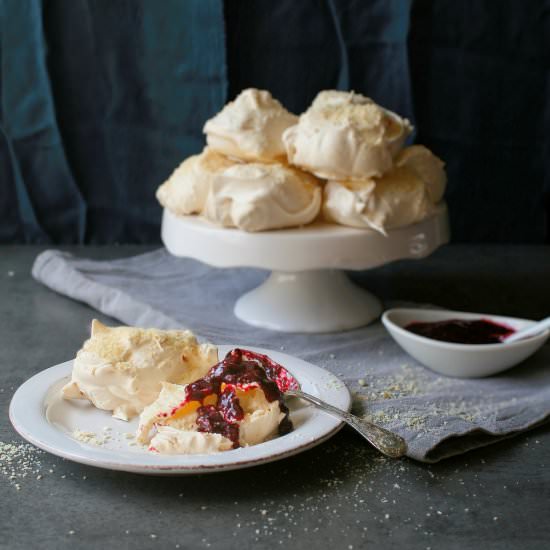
(100, 100)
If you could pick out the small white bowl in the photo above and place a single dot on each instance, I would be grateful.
(460, 360)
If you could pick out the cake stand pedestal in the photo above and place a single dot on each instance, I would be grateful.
(307, 290)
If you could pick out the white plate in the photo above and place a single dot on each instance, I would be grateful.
(42, 417)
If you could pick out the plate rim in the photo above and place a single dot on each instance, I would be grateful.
(31, 426)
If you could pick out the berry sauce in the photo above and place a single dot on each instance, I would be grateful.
(240, 369)
(459, 331)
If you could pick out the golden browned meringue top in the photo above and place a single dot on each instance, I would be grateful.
(121, 369)
(250, 127)
(186, 189)
(346, 136)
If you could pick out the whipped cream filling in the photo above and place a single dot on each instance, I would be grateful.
(186, 189)
(345, 136)
(250, 127)
(261, 420)
(121, 369)
(169, 398)
(171, 428)
(257, 197)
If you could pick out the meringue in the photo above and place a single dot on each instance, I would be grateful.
(121, 369)
(345, 136)
(250, 127)
(257, 197)
(186, 189)
(172, 441)
(427, 166)
(397, 199)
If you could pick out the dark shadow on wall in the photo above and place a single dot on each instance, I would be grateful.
(100, 101)
(481, 92)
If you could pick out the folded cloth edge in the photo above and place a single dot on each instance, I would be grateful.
(460, 443)
(105, 299)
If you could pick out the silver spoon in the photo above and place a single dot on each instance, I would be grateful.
(531, 331)
(386, 442)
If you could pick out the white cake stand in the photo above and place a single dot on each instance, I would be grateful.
(307, 290)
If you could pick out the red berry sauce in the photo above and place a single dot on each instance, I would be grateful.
(459, 331)
(240, 369)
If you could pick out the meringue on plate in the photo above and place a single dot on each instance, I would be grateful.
(186, 189)
(237, 404)
(404, 195)
(121, 369)
(250, 127)
(345, 136)
(258, 197)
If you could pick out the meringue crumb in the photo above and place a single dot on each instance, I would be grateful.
(18, 461)
(88, 437)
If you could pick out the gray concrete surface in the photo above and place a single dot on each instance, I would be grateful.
(341, 495)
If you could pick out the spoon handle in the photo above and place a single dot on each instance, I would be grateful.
(531, 331)
(386, 442)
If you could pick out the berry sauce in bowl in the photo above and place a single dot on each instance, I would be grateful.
(462, 331)
(461, 344)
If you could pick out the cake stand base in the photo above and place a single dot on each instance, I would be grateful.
(308, 301)
(307, 290)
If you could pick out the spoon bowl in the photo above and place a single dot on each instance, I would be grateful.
(461, 360)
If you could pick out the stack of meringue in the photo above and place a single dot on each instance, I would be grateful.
(242, 179)
(357, 146)
(261, 166)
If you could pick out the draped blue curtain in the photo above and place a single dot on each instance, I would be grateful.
(296, 49)
(101, 99)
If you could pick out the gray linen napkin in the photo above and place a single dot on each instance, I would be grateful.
(439, 417)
